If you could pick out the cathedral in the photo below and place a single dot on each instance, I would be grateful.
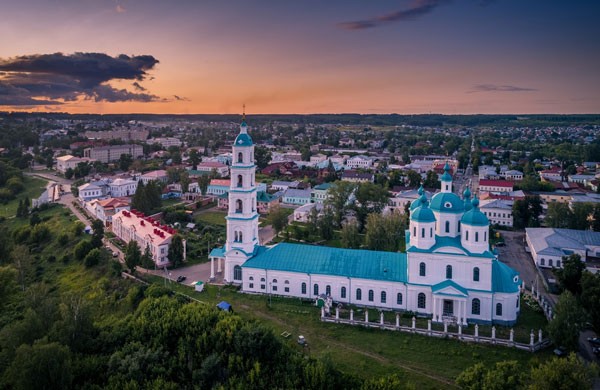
(448, 271)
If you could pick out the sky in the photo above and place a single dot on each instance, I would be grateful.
(302, 56)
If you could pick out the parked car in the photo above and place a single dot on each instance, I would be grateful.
(595, 341)
(115, 254)
(560, 352)
(301, 340)
(181, 278)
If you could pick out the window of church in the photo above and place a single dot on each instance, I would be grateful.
(328, 290)
(262, 279)
(499, 309)
(371, 296)
(383, 297)
(240, 157)
(558, 263)
(251, 285)
(422, 269)
(240, 181)
(286, 282)
(303, 288)
(467, 235)
(459, 226)
(448, 272)
(476, 307)
(287, 289)
(476, 236)
(358, 294)
(343, 292)
(251, 278)
(415, 231)
(316, 289)
(517, 302)
(263, 286)
(274, 288)
(476, 274)
(399, 299)
(237, 273)
(447, 226)
(422, 232)
(421, 301)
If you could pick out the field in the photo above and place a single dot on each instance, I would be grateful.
(212, 217)
(428, 363)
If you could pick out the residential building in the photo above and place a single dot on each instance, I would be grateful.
(122, 187)
(105, 209)
(218, 187)
(317, 158)
(496, 186)
(158, 176)
(549, 245)
(89, 191)
(513, 175)
(360, 161)
(280, 185)
(319, 193)
(296, 196)
(112, 153)
(498, 211)
(358, 177)
(165, 142)
(68, 162)
(222, 170)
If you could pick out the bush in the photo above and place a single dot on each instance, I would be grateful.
(93, 257)
(82, 249)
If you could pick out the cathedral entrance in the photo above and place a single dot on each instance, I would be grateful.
(448, 307)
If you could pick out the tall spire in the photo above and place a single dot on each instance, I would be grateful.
(243, 125)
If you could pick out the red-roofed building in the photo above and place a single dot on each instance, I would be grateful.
(147, 232)
(496, 185)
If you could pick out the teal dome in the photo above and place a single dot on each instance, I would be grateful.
(243, 139)
(446, 177)
(474, 217)
(417, 202)
(422, 213)
(467, 193)
(447, 202)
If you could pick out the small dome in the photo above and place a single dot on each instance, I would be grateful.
(447, 202)
(446, 177)
(418, 202)
(467, 193)
(422, 214)
(421, 190)
(243, 139)
(475, 217)
(475, 202)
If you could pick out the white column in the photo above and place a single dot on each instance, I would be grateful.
(212, 267)
(219, 262)
(434, 312)
(465, 312)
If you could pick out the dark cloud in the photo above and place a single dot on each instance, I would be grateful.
(499, 88)
(417, 9)
(53, 78)
(184, 99)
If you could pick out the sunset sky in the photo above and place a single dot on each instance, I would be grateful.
(303, 56)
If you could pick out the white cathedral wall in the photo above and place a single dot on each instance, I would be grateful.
(441, 219)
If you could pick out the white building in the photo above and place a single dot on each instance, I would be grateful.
(122, 187)
(158, 176)
(317, 158)
(65, 162)
(105, 209)
(89, 191)
(129, 225)
(513, 175)
(165, 142)
(111, 153)
(549, 245)
(398, 203)
(447, 272)
(209, 166)
(499, 186)
(280, 185)
(498, 211)
(359, 161)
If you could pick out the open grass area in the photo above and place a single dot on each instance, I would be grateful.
(33, 189)
(428, 363)
(212, 217)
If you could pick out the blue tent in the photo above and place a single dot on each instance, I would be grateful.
(224, 306)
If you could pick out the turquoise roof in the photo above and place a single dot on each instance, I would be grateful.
(441, 200)
(446, 177)
(422, 214)
(474, 217)
(467, 193)
(449, 283)
(243, 139)
(262, 196)
(217, 252)
(324, 186)
(503, 278)
(452, 242)
(415, 203)
(310, 259)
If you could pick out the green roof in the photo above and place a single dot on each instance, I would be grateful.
(503, 278)
(449, 283)
(217, 252)
(324, 186)
(446, 177)
(475, 217)
(243, 139)
(415, 203)
(310, 259)
(453, 242)
(447, 202)
(262, 196)
(422, 214)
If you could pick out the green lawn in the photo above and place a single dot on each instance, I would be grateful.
(33, 189)
(429, 363)
(212, 217)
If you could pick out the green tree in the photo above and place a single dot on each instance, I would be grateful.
(350, 236)
(133, 256)
(567, 323)
(146, 260)
(431, 181)
(184, 180)
(414, 178)
(125, 161)
(590, 298)
(176, 251)
(559, 215)
(385, 232)
(8, 278)
(370, 198)
(279, 219)
(581, 216)
(596, 218)
(22, 262)
(390, 382)
(262, 156)
(338, 200)
(569, 276)
(82, 249)
(94, 257)
(563, 374)
(194, 158)
(97, 233)
(42, 365)
(203, 182)
(324, 225)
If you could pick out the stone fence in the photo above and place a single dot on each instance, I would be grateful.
(533, 345)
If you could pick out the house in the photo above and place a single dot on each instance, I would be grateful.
(498, 211)
(302, 213)
(158, 176)
(89, 191)
(358, 177)
(296, 197)
(280, 185)
(513, 175)
(488, 172)
(147, 232)
(399, 202)
(581, 179)
(447, 273)
(218, 187)
(105, 209)
(165, 142)
(549, 245)
(112, 153)
(68, 162)
(360, 161)
(221, 169)
(317, 158)
(552, 174)
(495, 185)
(122, 187)
(319, 193)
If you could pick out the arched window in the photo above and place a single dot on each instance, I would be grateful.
(371, 296)
(476, 274)
(499, 309)
(383, 297)
(240, 157)
(421, 301)
(550, 262)
(484, 236)
(239, 181)
(459, 226)
(415, 231)
(238, 206)
(328, 290)
(251, 278)
(286, 282)
(237, 273)
(358, 294)
(303, 288)
(447, 226)
(422, 269)
(274, 281)
(476, 236)
(542, 261)
(448, 272)
(467, 235)
(422, 232)
(430, 232)
(399, 299)
(343, 292)
(517, 302)
(316, 289)
(476, 307)
(262, 279)
(558, 263)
